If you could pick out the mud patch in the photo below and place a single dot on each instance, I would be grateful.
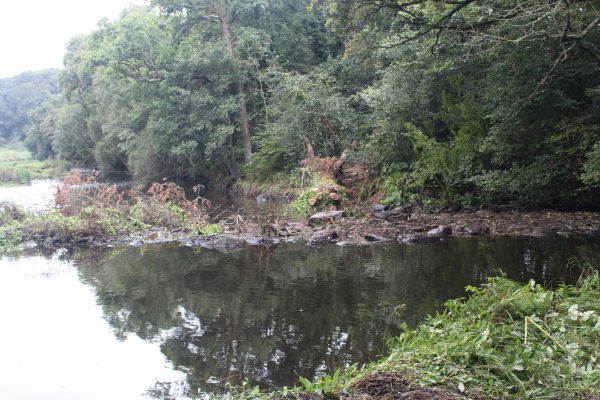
(387, 387)
(390, 387)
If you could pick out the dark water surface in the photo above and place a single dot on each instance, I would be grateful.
(172, 322)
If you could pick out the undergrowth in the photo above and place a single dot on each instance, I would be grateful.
(506, 341)
(320, 193)
(87, 209)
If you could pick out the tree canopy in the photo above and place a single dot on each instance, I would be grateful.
(468, 101)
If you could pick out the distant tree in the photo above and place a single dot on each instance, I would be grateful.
(21, 94)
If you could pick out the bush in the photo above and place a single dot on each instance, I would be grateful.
(322, 193)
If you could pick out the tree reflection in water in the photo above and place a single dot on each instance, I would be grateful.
(271, 314)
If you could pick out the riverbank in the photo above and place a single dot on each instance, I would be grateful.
(18, 167)
(476, 349)
(505, 342)
(163, 218)
(90, 213)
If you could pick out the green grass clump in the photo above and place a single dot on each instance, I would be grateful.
(210, 230)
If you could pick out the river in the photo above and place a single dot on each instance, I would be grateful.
(172, 322)
(165, 321)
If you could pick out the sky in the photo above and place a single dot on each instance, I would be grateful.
(33, 33)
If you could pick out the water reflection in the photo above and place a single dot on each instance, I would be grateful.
(56, 345)
(271, 314)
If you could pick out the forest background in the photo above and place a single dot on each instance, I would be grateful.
(461, 102)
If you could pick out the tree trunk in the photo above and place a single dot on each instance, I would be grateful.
(222, 13)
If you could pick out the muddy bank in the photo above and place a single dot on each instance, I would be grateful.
(407, 227)
(414, 227)
(418, 227)
(387, 387)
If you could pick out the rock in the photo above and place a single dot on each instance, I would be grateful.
(263, 241)
(205, 244)
(324, 217)
(484, 213)
(158, 240)
(84, 241)
(345, 243)
(474, 230)
(416, 238)
(187, 241)
(223, 244)
(457, 229)
(136, 243)
(53, 241)
(441, 231)
(267, 241)
(373, 237)
(30, 245)
(264, 198)
(390, 212)
(593, 232)
(380, 214)
(253, 241)
(380, 207)
(322, 237)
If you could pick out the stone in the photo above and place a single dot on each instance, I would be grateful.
(380, 207)
(441, 231)
(323, 217)
(136, 243)
(399, 213)
(593, 232)
(322, 237)
(253, 241)
(473, 231)
(264, 198)
(373, 237)
(86, 240)
(223, 244)
(416, 238)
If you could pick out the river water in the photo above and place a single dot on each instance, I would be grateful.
(171, 322)
(165, 321)
(35, 197)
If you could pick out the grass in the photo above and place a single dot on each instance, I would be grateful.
(17, 167)
(507, 341)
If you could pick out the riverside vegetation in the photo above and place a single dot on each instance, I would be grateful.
(87, 211)
(460, 103)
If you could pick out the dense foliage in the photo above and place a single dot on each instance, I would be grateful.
(469, 101)
(21, 94)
